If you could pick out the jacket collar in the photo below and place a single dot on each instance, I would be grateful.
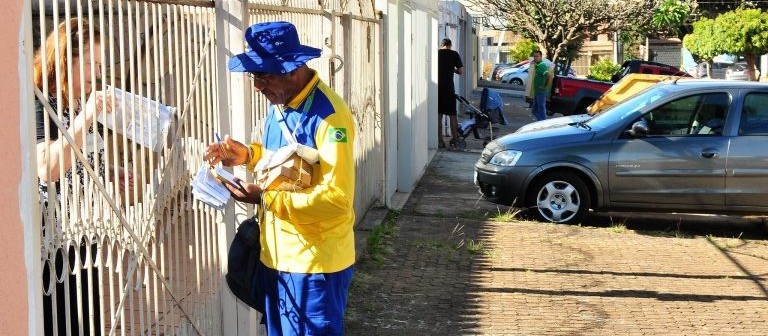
(304, 93)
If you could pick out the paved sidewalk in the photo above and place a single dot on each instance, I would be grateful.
(448, 274)
(452, 271)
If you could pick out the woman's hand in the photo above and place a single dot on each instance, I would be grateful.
(229, 152)
(250, 193)
(98, 102)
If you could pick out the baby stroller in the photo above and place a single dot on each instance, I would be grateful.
(483, 118)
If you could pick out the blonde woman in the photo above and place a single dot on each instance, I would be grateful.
(66, 81)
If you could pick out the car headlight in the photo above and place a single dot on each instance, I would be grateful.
(506, 158)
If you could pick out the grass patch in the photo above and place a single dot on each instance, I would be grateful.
(470, 245)
(435, 245)
(457, 234)
(359, 280)
(670, 232)
(439, 213)
(378, 243)
(617, 228)
(474, 247)
(473, 215)
(455, 242)
(727, 244)
(509, 215)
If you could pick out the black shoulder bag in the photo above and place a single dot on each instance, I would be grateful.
(243, 257)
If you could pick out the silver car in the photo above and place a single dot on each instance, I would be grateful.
(738, 71)
(680, 146)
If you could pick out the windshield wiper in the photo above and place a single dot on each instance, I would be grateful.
(583, 124)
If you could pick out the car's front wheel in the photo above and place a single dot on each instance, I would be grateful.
(559, 197)
(516, 81)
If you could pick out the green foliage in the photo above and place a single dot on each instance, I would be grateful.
(670, 16)
(702, 41)
(603, 70)
(523, 50)
(742, 32)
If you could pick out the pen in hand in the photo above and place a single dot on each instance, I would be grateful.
(222, 146)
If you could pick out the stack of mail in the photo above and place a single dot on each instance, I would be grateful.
(207, 188)
(143, 120)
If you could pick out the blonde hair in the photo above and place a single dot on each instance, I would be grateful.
(80, 30)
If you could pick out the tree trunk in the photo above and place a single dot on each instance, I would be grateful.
(750, 67)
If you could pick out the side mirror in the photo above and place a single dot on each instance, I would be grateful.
(639, 128)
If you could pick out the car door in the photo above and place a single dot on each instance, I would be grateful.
(681, 161)
(747, 169)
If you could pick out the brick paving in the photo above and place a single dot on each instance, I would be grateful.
(449, 271)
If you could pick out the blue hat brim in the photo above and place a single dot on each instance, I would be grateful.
(251, 61)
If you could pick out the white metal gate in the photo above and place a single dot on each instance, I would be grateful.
(143, 260)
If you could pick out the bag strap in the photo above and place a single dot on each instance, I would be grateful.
(289, 136)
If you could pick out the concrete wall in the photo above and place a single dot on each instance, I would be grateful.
(410, 84)
(15, 282)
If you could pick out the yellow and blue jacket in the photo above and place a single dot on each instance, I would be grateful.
(311, 230)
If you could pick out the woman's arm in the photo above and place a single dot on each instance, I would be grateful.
(53, 155)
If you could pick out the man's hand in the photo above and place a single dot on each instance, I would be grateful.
(250, 193)
(229, 152)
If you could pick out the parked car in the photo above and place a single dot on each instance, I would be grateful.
(738, 71)
(574, 95)
(516, 76)
(496, 68)
(717, 72)
(519, 76)
(646, 67)
(680, 146)
(514, 68)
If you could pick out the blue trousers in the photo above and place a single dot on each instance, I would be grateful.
(302, 303)
(539, 109)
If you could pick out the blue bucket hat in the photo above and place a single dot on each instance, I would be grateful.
(274, 47)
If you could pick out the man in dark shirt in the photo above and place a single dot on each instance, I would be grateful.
(448, 63)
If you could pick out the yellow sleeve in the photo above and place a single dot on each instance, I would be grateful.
(255, 157)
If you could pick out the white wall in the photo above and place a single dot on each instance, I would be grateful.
(410, 103)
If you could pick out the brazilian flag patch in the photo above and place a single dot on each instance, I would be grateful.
(337, 135)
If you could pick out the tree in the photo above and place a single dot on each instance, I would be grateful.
(742, 32)
(670, 16)
(523, 50)
(701, 42)
(554, 25)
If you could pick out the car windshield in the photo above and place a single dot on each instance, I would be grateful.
(629, 107)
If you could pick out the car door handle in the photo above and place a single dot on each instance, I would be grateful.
(709, 155)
